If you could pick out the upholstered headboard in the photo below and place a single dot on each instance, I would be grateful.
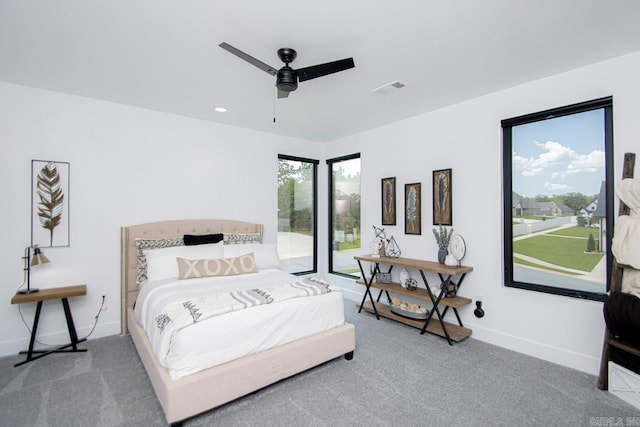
(164, 230)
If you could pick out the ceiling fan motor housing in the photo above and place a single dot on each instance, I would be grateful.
(287, 79)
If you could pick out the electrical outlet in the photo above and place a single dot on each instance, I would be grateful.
(104, 305)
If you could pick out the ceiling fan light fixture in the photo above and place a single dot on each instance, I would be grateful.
(287, 80)
(286, 77)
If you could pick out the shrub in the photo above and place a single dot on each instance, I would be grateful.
(591, 243)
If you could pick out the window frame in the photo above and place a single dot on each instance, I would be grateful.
(315, 164)
(606, 104)
(331, 206)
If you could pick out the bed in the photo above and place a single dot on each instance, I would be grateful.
(186, 394)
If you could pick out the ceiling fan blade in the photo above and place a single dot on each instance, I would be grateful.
(320, 70)
(283, 94)
(250, 59)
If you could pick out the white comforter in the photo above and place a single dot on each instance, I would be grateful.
(232, 335)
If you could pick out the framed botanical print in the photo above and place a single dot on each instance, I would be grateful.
(442, 197)
(412, 209)
(389, 201)
(49, 203)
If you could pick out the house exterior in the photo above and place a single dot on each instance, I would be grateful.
(588, 210)
(529, 207)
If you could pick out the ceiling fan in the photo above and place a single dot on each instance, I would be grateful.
(286, 77)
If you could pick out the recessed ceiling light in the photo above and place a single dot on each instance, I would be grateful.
(221, 109)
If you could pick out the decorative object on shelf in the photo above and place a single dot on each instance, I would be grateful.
(29, 261)
(392, 250)
(383, 277)
(412, 209)
(412, 284)
(404, 276)
(442, 197)
(50, 202)
(443, 236)
(452, 290)
(378, 242)
(450, 261)
(457, 248)
(389, 201)
(412, 311)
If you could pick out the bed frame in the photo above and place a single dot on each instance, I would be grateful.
(199, 392)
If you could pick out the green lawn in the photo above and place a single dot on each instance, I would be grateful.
(577, 232)
(564, 252)
(520, 261)
(343, 246)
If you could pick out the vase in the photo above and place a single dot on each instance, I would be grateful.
(442, 255)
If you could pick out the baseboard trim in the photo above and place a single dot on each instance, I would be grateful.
(539, 350)
(57, 338)
(560, 356)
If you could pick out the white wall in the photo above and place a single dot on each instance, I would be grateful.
(128, 166)
(467, 138)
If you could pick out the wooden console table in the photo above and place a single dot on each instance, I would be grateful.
(48, 294)
(450, 331)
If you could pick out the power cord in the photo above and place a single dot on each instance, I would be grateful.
(100, 310)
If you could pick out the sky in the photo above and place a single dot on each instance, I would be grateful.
(559, 155)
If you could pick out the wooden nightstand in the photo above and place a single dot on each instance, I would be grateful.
(47, 294)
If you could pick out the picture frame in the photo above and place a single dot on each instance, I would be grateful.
(388, 195)
(413, 208)
(50, 203)
(442, 194)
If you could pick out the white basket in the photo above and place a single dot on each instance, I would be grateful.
(625, 384)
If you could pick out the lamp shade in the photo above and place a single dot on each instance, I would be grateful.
(38, 257)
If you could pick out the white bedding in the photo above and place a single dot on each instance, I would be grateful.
(223, 338)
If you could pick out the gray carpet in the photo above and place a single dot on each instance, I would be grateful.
(397, 378)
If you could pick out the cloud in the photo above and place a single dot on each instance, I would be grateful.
(554, 186)
(559, 160)
(588, 163)
(532, 172)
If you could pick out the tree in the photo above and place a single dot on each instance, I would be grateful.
(575, 201)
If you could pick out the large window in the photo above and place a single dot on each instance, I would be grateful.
(344, 214)
(297, 217)
(558, 199)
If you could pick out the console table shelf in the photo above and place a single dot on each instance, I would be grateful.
(432, 324)
(419, 293)
(456, 333)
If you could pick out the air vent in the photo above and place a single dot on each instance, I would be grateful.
(389, 87)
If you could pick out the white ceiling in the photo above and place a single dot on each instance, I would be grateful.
(163, 54)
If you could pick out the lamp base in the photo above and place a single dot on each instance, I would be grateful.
(27, 291)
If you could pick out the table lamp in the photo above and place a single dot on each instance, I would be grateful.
(29, 261)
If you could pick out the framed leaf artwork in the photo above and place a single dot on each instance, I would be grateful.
(412, 209)
(49, 203)
(389, 201)
(442, 197)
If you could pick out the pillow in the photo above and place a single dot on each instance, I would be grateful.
(195, 268)
(161, 263)
(143, 244)
(202, 239)
(266, 254)
(240, 238)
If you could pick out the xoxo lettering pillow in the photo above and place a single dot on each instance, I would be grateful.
(195, 268)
